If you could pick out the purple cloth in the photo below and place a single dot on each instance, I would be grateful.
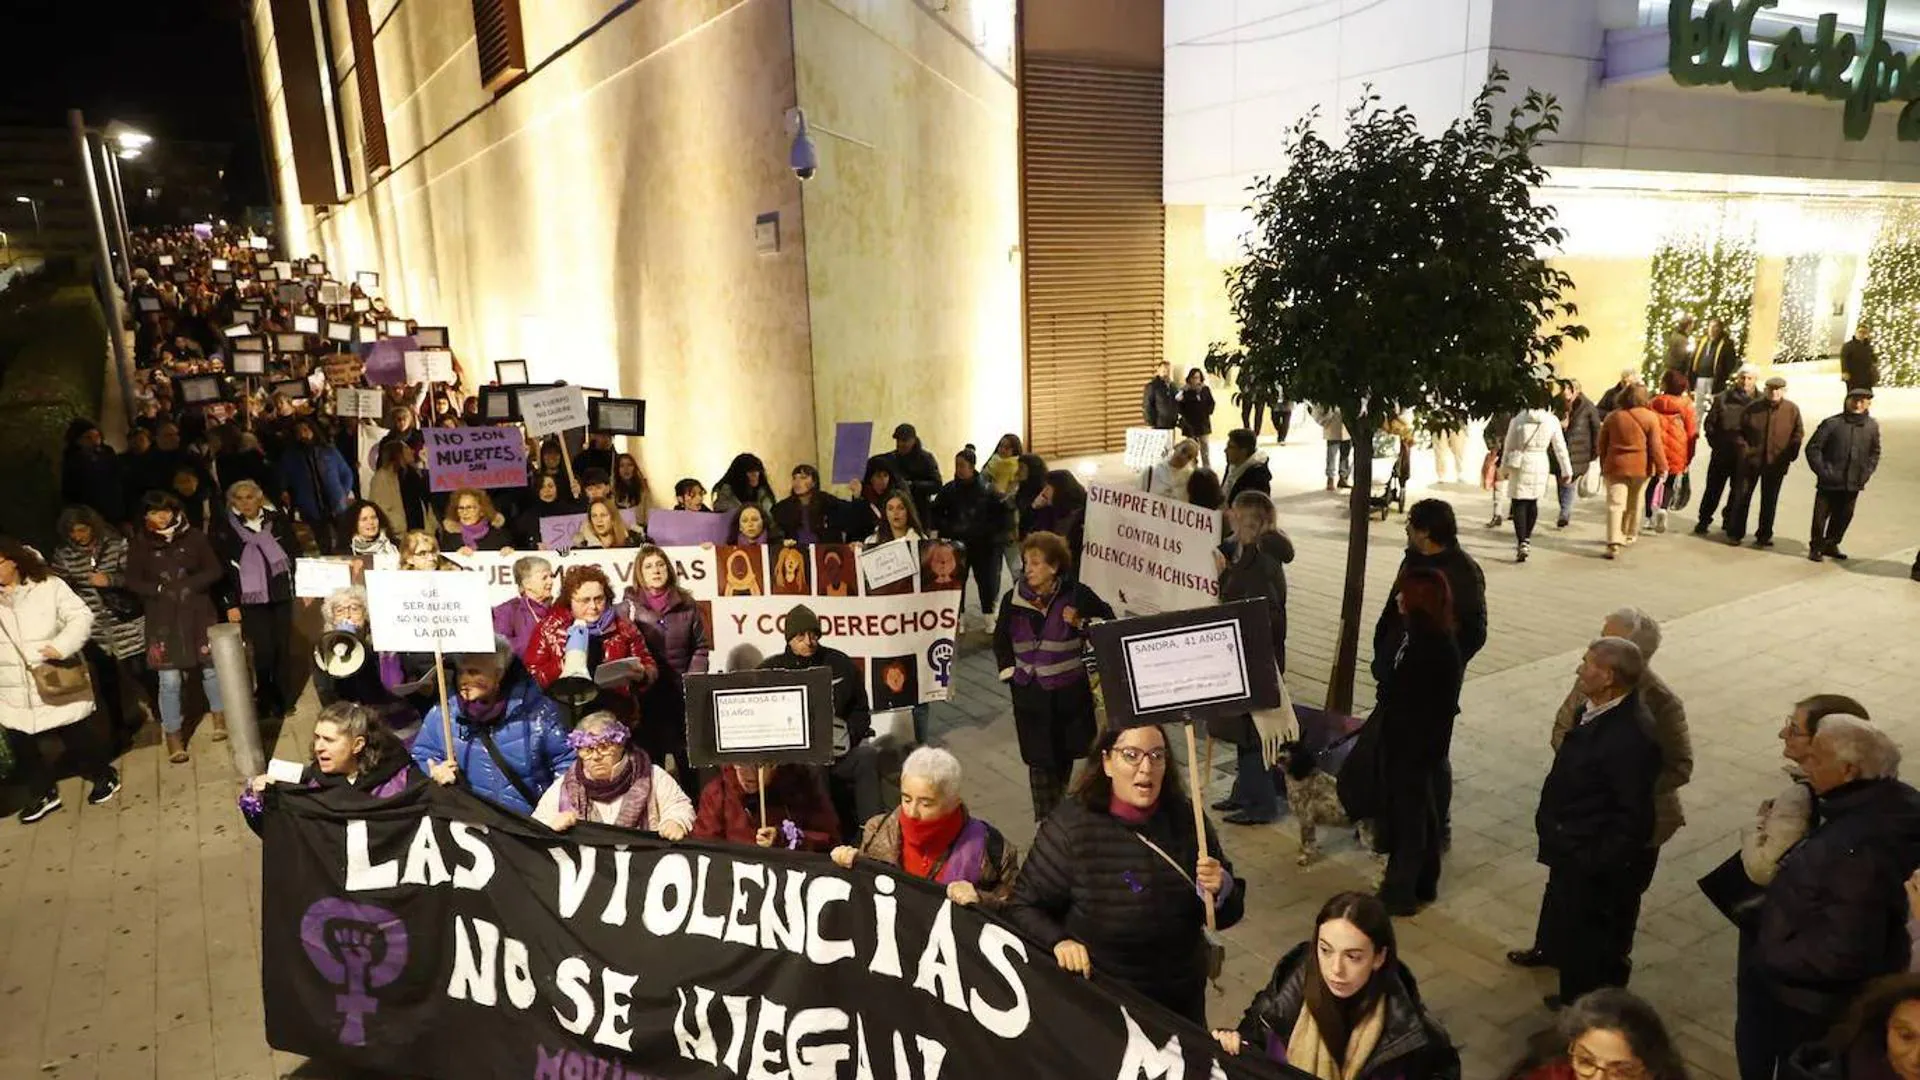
(1058, 647)
(515, 620)
(261, 560)
(968, 855)
(471, 535)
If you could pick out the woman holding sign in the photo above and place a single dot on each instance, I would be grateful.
(1117, 881)
(475, 525)
(795, 806)
(508, 740)
(585, 604)
(1037, 643)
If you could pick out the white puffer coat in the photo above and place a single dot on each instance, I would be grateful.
(39, 613)
(1531, 437)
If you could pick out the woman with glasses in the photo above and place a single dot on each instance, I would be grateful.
(1117, 881)
(612, 783)
(1342, 1006)
(1610, 1034)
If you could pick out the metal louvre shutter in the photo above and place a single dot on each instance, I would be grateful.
(1095, 249)
(501, 46)
(373, 119)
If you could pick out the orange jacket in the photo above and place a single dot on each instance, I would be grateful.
(1630, 445)
(1679, 427)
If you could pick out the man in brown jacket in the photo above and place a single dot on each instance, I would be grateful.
(1669, 731)
(1768, 443)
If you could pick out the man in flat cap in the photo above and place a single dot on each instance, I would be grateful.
(1768, 442)
(1844, 451)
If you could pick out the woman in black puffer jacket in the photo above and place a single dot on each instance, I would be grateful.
(1097, 892)
(967, 510)
(1345, 997)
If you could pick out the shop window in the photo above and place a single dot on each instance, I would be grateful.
(501, 45)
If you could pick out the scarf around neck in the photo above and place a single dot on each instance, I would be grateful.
(483, 713)
(1308, 1051)
(379, 545)
(600, 626)
(924, 844)
(471, 535)
(657, 602)
(631, 785)
(261, 561)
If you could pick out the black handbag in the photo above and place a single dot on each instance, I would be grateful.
(1680, 492)
(1362, 779)
(1728, 888)
(123, 605)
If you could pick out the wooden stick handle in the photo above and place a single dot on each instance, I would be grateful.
(761, 772)
(446, 714)
(566, 457)
(1199, 814)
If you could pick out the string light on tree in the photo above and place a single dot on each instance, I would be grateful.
(1890, 303)
(1706, 274)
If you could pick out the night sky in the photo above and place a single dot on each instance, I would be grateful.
(171, 68)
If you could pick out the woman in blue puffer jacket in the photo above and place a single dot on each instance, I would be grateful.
(509, 743)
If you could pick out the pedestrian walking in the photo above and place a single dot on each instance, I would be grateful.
(1722, 429)
(1679, 430)
(1631, 451)
(1580, 425)
(1535, 454)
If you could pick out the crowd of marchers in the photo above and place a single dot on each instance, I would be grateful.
(200, 518)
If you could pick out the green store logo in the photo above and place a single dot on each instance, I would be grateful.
(1716, 48)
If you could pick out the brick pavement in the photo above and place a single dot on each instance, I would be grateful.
(128, 933)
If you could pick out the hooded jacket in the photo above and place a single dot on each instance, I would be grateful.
(1412, 1045)
(1835, 915)
(1252, 474)
(1679, 427)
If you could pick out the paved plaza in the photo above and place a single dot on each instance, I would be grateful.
(129, 936)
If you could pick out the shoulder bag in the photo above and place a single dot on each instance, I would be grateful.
(506, 770)
(59, 682)
(1216, 945)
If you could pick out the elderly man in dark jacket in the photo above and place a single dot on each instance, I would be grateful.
(1843, 453)
(1669, 731)
(1720, 428)
(1160, 400)
(1595, 824)
(1580, 421)
(854, 778)
(1858, 365)
(1834, 917)
(1767, 443)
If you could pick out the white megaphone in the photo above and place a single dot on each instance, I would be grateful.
(575, 687)
(340, 654)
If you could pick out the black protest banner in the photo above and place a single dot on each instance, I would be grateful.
(437, 936)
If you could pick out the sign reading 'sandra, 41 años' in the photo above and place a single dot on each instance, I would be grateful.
(443, 937)
(1718, 46)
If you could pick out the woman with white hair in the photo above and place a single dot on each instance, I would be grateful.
(931, 835)
(1169, 476)
(256, 546)
(380, 680)
(613, 782)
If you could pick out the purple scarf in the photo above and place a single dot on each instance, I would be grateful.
(262, 560)
(631, 785)
(657, 602)
(471, 535)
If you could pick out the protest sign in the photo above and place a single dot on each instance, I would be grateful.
(149, 304)
(760, 717)
(903, 643)
(306, 324)
(362, 404)
(198, 389)
(237, 330)
(559, 408)
(1147, 554)
(341, 332)
(367, 279)
(395, 328)
(362, 305)
(615, 416)
(387, 361)
(475, 457)
(434, 366)
(697, 569)
(431, 337)
(257, 243)
(249, 361)
(290, 343)
(219, 264)
(343, 369)
(557, 531)
(688, 527)
(442, 937)
(332, 293)
(1146, 446)
(509, 372)
(269, 275)
(1184, 665)
(429, 611)
(317, 579)
(166, 260)
(887, 563)
(496, 404)
(851, 444)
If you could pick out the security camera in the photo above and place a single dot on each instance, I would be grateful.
(804, 158)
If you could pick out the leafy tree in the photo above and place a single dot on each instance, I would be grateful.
(1397, 271)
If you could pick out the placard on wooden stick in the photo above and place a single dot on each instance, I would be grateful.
(429, 611)
(760, 718)
(1187, 665)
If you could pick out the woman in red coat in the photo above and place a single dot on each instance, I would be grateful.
(1679, 429)
(799, 814)
(585, 605)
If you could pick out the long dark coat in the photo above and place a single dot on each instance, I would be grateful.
(177, 578)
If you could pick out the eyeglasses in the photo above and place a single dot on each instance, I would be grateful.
(1133, 756)
(1587, 1067)
(602, 750)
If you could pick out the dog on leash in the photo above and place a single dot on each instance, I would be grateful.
(1315, 801)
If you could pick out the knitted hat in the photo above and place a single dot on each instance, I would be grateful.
(801, 620)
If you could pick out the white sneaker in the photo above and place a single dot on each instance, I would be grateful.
(1659, 521)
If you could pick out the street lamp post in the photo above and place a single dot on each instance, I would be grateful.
(109, 292)
(111, 199)
(34, 205)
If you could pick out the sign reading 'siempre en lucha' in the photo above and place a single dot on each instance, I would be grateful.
(1718, 47)
(1145, 554)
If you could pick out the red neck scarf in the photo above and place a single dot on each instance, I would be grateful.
(923, 843)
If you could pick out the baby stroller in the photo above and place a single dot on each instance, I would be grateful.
(1394, 445)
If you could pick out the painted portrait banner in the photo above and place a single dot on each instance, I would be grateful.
(696, 568)
(1145, 554)
(443, 938)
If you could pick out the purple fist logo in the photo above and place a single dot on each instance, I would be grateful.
(940, 658)
(358, 948)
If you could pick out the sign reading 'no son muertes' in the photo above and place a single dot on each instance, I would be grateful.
(444, 938)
